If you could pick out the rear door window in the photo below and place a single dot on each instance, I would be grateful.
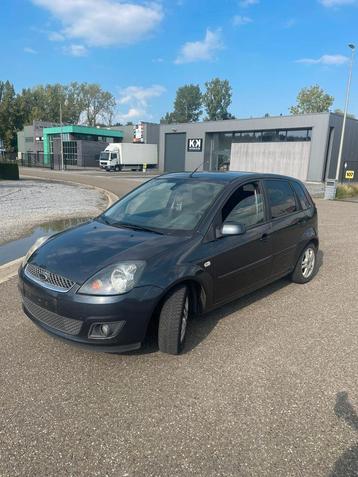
(302, 195)
(280, 197)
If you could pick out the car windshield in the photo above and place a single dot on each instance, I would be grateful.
(165, 205)
(104, 156)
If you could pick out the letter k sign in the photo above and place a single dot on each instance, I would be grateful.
(194, 145)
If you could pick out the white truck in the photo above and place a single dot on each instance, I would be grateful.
(128, 156)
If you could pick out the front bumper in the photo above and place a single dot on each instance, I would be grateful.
(70, 316)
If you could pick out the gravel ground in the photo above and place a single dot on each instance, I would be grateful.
(27, 203)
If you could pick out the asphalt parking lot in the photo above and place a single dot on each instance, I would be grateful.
(266, 386)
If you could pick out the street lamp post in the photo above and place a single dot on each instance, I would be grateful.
(61, 138)
(339, 162)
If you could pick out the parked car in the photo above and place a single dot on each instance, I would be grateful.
(178, 245)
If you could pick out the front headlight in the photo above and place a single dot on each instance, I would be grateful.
(40, 241)
(114, 280)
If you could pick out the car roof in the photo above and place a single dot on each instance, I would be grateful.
(228, 176)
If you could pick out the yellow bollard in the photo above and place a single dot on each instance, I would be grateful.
(144, 167)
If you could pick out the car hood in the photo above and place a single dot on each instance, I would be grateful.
(80, 252)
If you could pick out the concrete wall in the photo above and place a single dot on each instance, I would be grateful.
(288, 158)
(32, 131)
(318, 122)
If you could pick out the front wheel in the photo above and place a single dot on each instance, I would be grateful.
(173, 321)
(306, 266)
(117, 168)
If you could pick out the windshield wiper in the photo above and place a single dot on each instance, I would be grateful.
(136, 227)
(106, 221)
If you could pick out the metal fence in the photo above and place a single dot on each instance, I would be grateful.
(52, 161)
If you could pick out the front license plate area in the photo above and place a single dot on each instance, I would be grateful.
(39, 299)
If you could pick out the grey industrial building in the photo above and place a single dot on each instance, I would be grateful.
(304, 146)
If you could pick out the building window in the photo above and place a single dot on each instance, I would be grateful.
(29, 139)
(70, 153)
(221, 142)
(298, 135)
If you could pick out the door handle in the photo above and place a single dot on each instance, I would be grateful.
(264, 237)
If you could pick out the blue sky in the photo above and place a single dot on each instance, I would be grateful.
(143, 51)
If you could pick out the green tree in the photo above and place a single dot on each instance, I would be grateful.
(187, 104)
(9, 119)
(98, 104)
(168, 118)
(312, 99)
(217, 99)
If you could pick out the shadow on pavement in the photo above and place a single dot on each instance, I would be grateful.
(347, 464)
(200, 327)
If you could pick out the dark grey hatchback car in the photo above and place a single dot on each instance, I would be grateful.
(178, 245)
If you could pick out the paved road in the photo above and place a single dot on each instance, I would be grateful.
(267, 386)
(118, 183)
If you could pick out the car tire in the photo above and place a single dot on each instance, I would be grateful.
(306, 266)
(173, 321)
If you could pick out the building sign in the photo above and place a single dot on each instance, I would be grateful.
(138, 133)
(350, 175)
(195, 145)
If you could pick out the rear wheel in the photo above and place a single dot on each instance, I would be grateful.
(173, 321)
(306, 266)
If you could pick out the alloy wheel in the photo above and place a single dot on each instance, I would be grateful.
(308, 262)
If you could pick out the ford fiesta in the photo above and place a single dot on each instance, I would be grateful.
(178, 245)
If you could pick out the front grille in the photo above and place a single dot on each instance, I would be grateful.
(60, 323)
(49, 279)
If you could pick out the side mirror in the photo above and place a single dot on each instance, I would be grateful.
(230, 228)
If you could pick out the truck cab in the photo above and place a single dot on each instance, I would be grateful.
(109, 159)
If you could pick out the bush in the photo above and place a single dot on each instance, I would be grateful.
(344, 191)
(9, 171)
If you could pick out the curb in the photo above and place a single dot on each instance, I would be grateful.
(9, 270)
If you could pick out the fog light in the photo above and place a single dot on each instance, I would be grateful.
(102, 331)
(106, 330)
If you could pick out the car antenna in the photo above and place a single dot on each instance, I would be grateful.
(192, 173)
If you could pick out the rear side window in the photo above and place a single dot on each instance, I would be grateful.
(302, 195)
(280, 197)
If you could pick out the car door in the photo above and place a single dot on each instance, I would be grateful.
(286, 218)
(241, 263)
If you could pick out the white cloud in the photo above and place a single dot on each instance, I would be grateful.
(248, 3)
(337, 3)
(201, 50)
(55, 36)
(29, 50)
(104, 22)
(75, 50)
(133, 114)
(239, 20)
(325, 60)
(137, 99)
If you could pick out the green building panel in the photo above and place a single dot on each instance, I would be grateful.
(74, 129)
